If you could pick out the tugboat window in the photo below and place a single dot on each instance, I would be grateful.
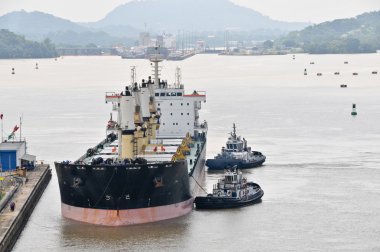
(162, 94)
(179, 94)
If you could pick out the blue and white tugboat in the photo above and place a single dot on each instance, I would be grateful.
(236, 153)
(232, 191)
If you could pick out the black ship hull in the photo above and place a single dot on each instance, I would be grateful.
(221, 164)
(101, 194)
(118, 195)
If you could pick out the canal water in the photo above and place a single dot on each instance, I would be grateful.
(322, 174)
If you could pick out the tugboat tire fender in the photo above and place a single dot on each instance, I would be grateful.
(219, 193)
(229, 193)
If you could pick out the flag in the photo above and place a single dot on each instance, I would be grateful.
(12, 135)
(15, 129)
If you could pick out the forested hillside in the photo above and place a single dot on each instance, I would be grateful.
(14, 46)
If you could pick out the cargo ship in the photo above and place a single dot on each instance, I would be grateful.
(149, 165)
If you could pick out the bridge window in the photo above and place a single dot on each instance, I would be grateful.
(162, 94)
(157, 94)
(179, 94)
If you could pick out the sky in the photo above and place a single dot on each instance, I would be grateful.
(314, 11)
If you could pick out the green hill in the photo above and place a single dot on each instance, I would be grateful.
(14, 46)
(354, 35)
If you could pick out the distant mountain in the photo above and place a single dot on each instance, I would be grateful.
(354, 35)
(124, 23)
(194, 15)
(38, 26)
(35, 25)
(14, 46)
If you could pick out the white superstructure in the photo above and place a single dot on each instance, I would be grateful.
(151, 113)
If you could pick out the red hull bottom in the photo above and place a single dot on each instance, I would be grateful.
(126, 217)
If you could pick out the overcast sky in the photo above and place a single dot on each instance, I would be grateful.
(315, 11)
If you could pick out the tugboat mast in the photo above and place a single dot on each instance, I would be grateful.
(234, 132)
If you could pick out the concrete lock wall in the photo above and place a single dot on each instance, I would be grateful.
(13, 232)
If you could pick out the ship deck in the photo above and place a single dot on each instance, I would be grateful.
(152, 154)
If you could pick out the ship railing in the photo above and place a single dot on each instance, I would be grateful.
(156, 141)
(197, 94)
(112, 97)
(200, 127)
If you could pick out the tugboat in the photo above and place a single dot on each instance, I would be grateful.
(232, 191)
(236, 153)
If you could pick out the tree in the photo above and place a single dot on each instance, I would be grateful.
(268, 44)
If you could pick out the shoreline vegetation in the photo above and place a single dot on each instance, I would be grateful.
(13, 46)
(342, 36)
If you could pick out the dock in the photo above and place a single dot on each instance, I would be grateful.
(24, 192)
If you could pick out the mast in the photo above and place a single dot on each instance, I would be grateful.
(133, 75)
(2, 128)
(234, 132)
(20, 127)
(178, 76)
(156, 72)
